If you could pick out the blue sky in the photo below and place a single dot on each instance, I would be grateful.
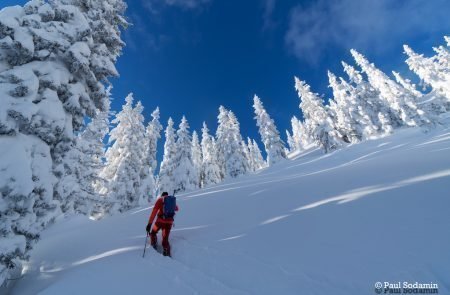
(190, 56)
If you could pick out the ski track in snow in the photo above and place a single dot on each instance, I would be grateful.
(316, 224)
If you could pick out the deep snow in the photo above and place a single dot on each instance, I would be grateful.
(318, 224)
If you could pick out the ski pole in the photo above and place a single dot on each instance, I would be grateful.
(145, 246)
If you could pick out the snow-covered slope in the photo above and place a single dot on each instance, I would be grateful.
(319, 224)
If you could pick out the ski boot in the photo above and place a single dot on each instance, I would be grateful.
(153, 241)
(166, 252)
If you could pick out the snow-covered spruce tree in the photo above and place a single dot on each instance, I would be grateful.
(270, 136)
(26, 178)
(184, 173)
(433, 104)
(344, 112)
(290, 142)
(256, 161)
(407, 84)
(166, 181)
(90, 60)
(124, 157)
(91, 149)
(89, 56)
(197, 157)
(257, 155)
(26, 206)
(210, 172)
(397, 97)
(153, 132)
(251, 161)
(444, 52)
(443, 57)
(222, 139)
(231, 155)
(36, 44)
(352, 116)
(49, 86)
(433, 71)
(232, 160)
(379, 113)
(152, 135)
(105, 19)
(299, 135)
(318, 124)
(246, 151)
(236, 162)
(68, 172)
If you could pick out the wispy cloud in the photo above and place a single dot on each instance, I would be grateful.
(155, 6)
(363, 24)
(139, 35)
(186, 3)
(148, 18)
(268, 9)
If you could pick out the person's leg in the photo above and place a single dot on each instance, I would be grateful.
(165, 239)
(153, 237)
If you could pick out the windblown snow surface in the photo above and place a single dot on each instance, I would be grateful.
(317, 224)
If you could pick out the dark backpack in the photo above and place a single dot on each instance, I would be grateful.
(169, 206)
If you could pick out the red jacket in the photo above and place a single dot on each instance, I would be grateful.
(158, 210)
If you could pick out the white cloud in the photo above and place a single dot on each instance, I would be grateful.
(362, 24)
(148, 27)
(269, 7)
(154, 6)
(186, 3)
(141, 36)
